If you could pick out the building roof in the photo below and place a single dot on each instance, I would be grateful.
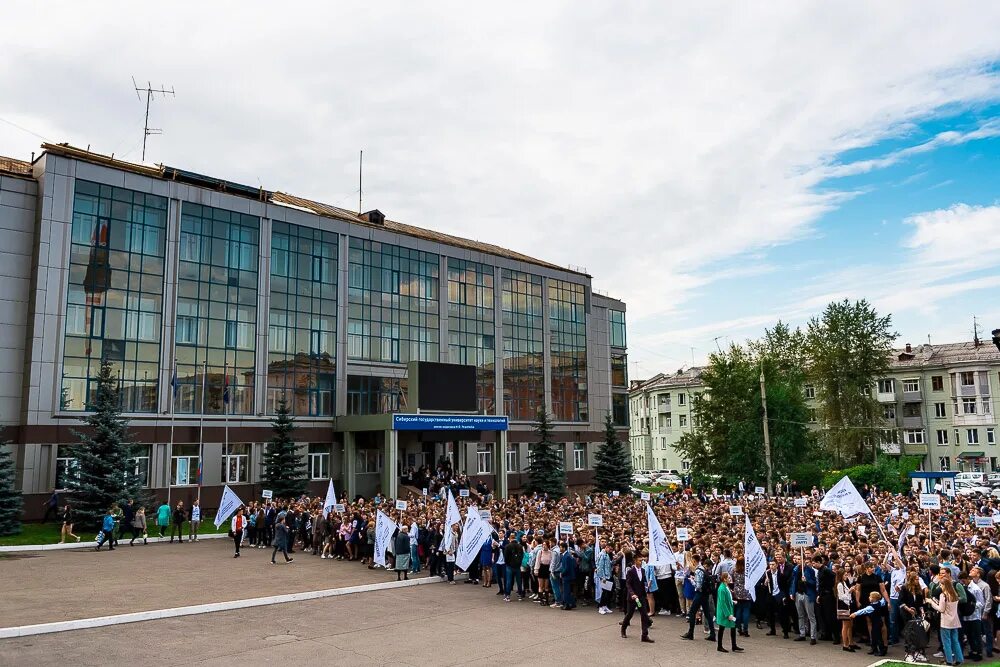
(682, 378)
(945, 354)
(291, 201)
(9, 165)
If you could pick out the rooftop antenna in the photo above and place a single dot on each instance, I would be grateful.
(150, 92)
(975, 332)
(361, 164)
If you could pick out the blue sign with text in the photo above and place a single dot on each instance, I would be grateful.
(448, 423)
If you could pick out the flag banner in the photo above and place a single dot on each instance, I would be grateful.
(384, 528)
(901, 543)
(755, 562)
(474, 534)
(451, 518)
(597, 577)
(660, 552)
(331, 499)
(844, 498)
(230, 503)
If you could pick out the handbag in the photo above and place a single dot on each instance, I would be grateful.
(843, 614)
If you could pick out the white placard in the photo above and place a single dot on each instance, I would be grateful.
(758, 490)
(267, 493)
(424, 491)
(801, 540)
(735, 510)
(485, 514)
(930, 501)
(539, 531)
(906, 514)
(595, 520)
(615, 494)
(339, 507)
(463, 493)
(682, 535)
(645, 495)
(401, 505)
(565, 527)
(801, 502)
(984, 522)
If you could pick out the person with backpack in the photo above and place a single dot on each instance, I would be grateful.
(107, 532)
(513, 557)
(971, 613)
(700, 601)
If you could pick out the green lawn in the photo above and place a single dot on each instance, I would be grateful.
(48, 533)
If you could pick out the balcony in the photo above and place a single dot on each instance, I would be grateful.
(915, 450)
(913, 396)
(913, 422)
(885, 396)
(974, 420)
(663, 407)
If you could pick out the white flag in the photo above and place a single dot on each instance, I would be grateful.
(754, 560)
(384, 528)
(230, 503)
(597, 578)
(844, 498)
(474, 534)
(331, 499)
(451, 517)
(660, 552)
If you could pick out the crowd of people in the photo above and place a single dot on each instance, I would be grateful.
(895, 577)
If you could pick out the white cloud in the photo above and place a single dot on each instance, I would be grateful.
(962, 233)
(649, 142)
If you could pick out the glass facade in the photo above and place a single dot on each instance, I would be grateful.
(471, 322)
(114, 298)
(370, 395)
(568, 322)
(619, 370)
(617, 318)
(619, 409)
(216, 310)
(523, 348)
(393, 296)
(302, 322)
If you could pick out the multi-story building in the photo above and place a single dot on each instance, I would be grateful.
(939, 402)
(214, 301)
(660, 412)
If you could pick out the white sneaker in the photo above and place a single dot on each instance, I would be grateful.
(939, 654)
(663, 612)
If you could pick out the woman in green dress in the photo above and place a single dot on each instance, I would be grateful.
(724, 614)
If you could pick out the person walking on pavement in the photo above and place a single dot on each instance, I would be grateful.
(236, 527)
(177, 526)
(697, 577)
(163, 518)
(635, 595)
(724, 614)
(195, 524)
(107, 529)
(67, 525)
(282, 537)
(139, 526)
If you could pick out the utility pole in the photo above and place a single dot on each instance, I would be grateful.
(767, 432)
(150, 91)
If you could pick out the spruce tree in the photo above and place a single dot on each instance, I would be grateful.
(545, 469)
(613, 469)
(284, 470)
(10, 497)
(105, 455)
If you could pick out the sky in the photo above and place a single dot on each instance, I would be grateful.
(717, 165)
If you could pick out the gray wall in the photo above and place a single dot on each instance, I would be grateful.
(17, 238)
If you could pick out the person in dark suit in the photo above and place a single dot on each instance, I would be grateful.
(786, 610)
(635, 596)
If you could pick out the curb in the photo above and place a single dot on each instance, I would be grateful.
(885, 661)
(84, 544)
(136, 617)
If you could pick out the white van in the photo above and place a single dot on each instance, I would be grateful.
(971, 477)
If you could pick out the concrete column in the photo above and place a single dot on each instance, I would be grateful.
(350, 457)
(390, 477)
(501, 465)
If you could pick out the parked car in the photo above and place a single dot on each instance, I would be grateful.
(967, 489)
(642, 479)
(995, 493)
(993, 479)
(971, 477)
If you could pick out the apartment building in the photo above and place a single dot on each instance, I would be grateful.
(660, 412)
(939, 402)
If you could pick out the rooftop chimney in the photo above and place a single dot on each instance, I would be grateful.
(908, 348)
(374, 216)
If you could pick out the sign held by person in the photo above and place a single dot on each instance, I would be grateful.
(759, 490)
(735, 510)
(801, 540)
(267, 493)
(682, 535)
(645, 495)
(930, 501)
(463, 493)
(401, 505)
(801, 502)
(596, 520)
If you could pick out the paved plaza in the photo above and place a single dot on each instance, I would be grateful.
(434, 624)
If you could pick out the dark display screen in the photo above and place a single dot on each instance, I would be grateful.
(446, 387)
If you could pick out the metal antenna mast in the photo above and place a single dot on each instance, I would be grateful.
(150, 91)
(361, 165)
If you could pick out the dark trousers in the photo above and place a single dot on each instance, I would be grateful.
(826, 616)
(284, 552)
(136, 534)
(49, 511)
(237, 538)
(700, 602)
(568, 600)
(179, 529)
(449, 569)
(732, 636)
(974, 635)
(631, 607)
(786, 613)
(666, 596)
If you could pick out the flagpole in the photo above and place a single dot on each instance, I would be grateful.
(201, 429)
(225, 408)
(170, 446)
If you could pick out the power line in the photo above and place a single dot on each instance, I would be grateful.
(24, 129)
